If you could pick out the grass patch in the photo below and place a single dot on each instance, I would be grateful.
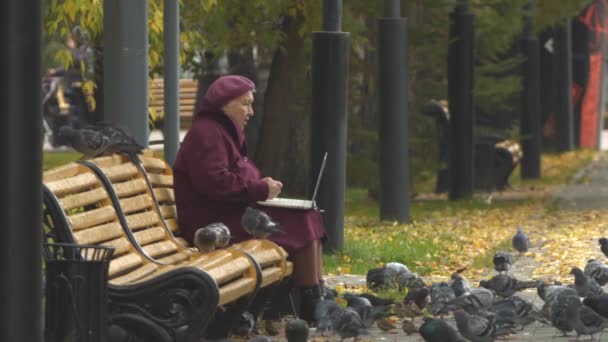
(54, 159)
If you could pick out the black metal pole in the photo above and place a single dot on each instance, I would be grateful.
(330, 50)
(564, 112)
(21, 132)
(332, 15)
(460, 101)
(126, 66)
(171, 74)
(393, 100)
(530, 127)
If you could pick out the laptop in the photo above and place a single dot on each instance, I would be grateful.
(294, 203)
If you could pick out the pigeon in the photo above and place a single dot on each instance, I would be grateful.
(385, 324)
(394, 268)
(442, 296)
(296, 330)
(419, 296)
(597, 270)
(502, 261)
(584, 285)
(347, 323)
(362, 305)
(559, 314)
(524, 312)
(583, 319)
(521, 242)
(598, 303)
(438, 330)
(119, 140)
(211, 237)
(550, 293)
(89, 142)
(505, 285)
(459, 284)
(474, 328)
(259, 224)
(324, 312)
(476, 299)
(409, 280)
(245, 325)
(604, 245)
(379, 279)
(377, 301)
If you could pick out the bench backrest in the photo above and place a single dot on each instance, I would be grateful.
(187, 98)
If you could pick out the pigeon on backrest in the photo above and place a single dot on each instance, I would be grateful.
(89, 142)
(259, 224)
(521, 242)
(119, 140)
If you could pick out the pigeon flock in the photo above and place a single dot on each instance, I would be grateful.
(494, 310)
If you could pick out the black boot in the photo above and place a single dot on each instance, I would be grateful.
(310, 297)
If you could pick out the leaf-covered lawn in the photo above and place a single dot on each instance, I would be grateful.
(445, 236)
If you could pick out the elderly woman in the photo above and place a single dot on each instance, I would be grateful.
(215, 181)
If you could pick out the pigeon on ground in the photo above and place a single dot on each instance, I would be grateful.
(211, 237)
(245, 325)
(442, 296)
(409, 280)
(380, 279)
(502, 261)
(119, 140)
(377, 301)
(474, 328)
(385, 324)
(409, 327)
(559, 314)
(524, 311)
(521, 242)
(604, 245)
(394, 268)
(584, 285)
(324, 313)
(459, 284)
(296, 330)
(505, 285)
(598, 303)
(89, 142)
(259, 224)
(347, 323)
(419, 296)
(597, 270)
(438, 330)
(362, 305)
(584, 320)
(550, 293)
(476, 299)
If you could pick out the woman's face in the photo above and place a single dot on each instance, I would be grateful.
(240, 109)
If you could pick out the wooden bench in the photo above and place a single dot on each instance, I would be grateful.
(159, 288)
(187, 99)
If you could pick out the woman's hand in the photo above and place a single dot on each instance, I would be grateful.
(274, 187)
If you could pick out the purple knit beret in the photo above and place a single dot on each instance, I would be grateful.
(224, 89)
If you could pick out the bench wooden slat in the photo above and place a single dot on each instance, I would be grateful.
(138, 274)
(121, 245)
(117, 173)
(140, 220)
(235, 290)
(130, 188)
(137, 203)
(150, 235)
(175, 258)
(229, 271)
(172, 225)
(168, 211)
(185, 99)
(153, 164)
(61, 172)
(82, 199)
(160, 248)
(107, 161)
(99, 233)
(123, 264)
(92, 217)
(164, 195)
(73, 184)
(161, 180)
(271, 275)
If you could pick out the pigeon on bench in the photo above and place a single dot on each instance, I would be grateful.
(259, 224)
(211, 237)
(89, 142)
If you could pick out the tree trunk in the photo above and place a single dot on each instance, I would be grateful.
(283, 146)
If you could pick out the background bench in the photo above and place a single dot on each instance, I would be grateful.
(187, 99)
(158, 286)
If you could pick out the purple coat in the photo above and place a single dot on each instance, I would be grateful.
(214, 181)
